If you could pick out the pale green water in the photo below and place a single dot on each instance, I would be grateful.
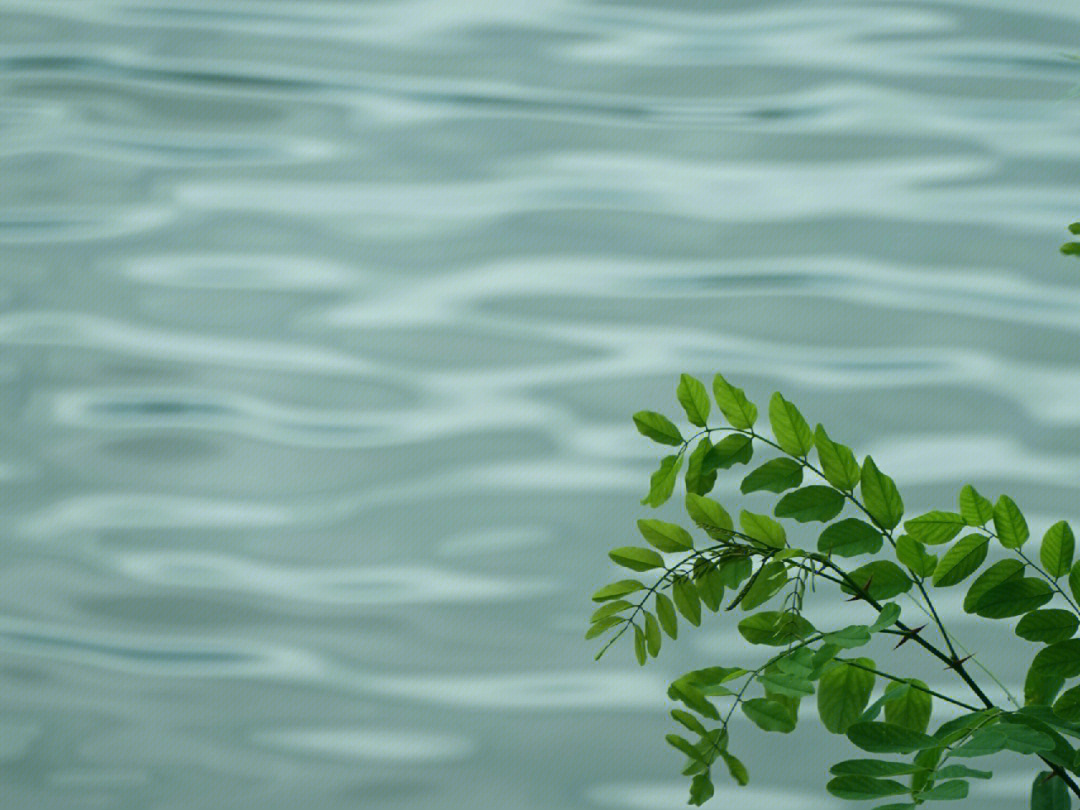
(323, 323)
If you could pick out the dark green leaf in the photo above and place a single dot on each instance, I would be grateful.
(981, 743)
(653, 638)
(864, 787)
(843, 692)
(945, 791)
(694, 399)
(617, 589)
(639, 645)
(847, 638)
(699, 480)
(636, 559)
(961, 560)
(689, 694)
(701, 789)
(809, 503)
(1049, 792)
(657, 427)
(769, 715)
(999, 572)
(1067, 706)
(881, 579)
(953, 730)
(763, 529)
(776, 475)
(684, 745)
(734, 449)
(1013, 598)
(791, 431)
(914, 555)
(958, 771)
(1057, 548)
(665, 536)
(770, 578)
(1048, 626)
(735, 768)
(896, 806)
(710, 516)
(1024, 739)
(887, 738)
(686, 600)
(837, 461)
(880, 496)
(976, 509)
(600, 625)
(849, 538)
(1009, 523)
(1074, 581)
(662, 482)
(710, 587)
(709, 677)
(912, 709)
(872, 767)
(665, 612)
(935, 527)
(688, 721)
(775, 628)
(737, 409)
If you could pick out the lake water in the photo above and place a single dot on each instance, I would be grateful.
(322, 325)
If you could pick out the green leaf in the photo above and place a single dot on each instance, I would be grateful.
(710, 587)
(957, 771)
(1057, 548)
(710, 677)
(665, 612)
(1060, 660)
(710, 516)
(1013, 598)
(858, 788)
(735, 570)
(961, 560)
(880, 496)
(600, 625)
(763, 529)
(1074, 581)
(837, 461)
(735, 768)
(688, 721)
(809, 503)
(951, 731)
(1024, 739)
(774, 628)
(1009, 523)
(701, 789)
(976, 509)
(1048, 792)
(657, 427)
(665, 536)
(881, 579)
(662, 482)
(685, 746)
(690, 695)
(1048, 626)
(694, 399)
(912, 709)
(639, 645)
(890, 612)
(698, 479)
(636, 559)
(1067, 706)
(847, 638)
(782, 683)
(610, 609)
(946, 791)
(653, 638)
(887, 738)
(872, 767)
(981, 743)
(935, 527)
(914, 555)
(770, 578)
(996, 574)
(617, 589)
(843, 692)
(776, 475)
(791, 431)
(730, 450)
(687, 601)
(769, 715)
(849, 538)
(737, 409)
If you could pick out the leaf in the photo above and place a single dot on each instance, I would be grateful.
(653, 639)
(774, 628)
(617, 589)
(874, 709)
(688, 721)
(769, 715)
(872, 767)
(890, 612)
(880, 496)
(999, 572)
(737, 409)
(609, 609)
(763, 529)
(785, 684)
(709, 516)
(776, 475)
(981, 743)
(710, 587)
(735, 768)
(665, 612)
(1048, 792)
(864, 787)
(636, 559)
(955, 789)
(662, 482)
(770, 578)
(887, 738)
(657, 427)
(701, 789)
(698, 479)
(735, 570)
(809, 503)
(975, 509)
(847, 638)
(665, 536)
(843, 692)
(1013, 598)
(1056, 552)
(962, 560)
(710, 677)
(791, 431)
(688, 694)
(1067, 706)
(881, 579)
(694, 399)
(639, 645)
(687, 601)
(956, 771)
(914, 555)
(837, 461)
(730, 450)
(1048, 626)
(684, 745)
(849, 538)
(1074, 581)
(1024, 739)
(1009, 523)
(935, 528)
(912, 709)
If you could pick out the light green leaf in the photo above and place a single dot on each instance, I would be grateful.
(653, 638)
(1024, 739)
(1048, 792)
(600, 625)
(811, 503)
(880, 496)
(665, 612)
(710, 677)
(914, 555)
(701, 789)
(837, 461)
(1009, 523)
(1013, 598)
(775, 628)
(730, 450)
(710, 587)
(709, 516)
(961, 560)
(791, 431)
(735, 768)
(657, 427)
(847, 638)
(769, 715)
(881, 579)
(688, 748)
(610, 609)
(1048, 626)
(698, 479)
(689, 722)
(843, 692)
(872, 767)
(776, 475)
(690, 695)
(999, 572)
(874, 709)
(782, 683)
(946, 791)
(763, 529)
(770, 579)
(639, 645)
(849, 538)
(694, 399)
(858, 788)
(887, 738)
(935, 527)
(636, 559)
(890, 612)
(1067, 706)
(1057, 548)
(665, 536)
(662, 482)
(617, 589)
(976, 509)
(737, 409)
(686, 600)
(912, 709)
(735, 570)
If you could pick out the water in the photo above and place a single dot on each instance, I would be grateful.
(322, 324)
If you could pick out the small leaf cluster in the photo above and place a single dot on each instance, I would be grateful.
(840, 521)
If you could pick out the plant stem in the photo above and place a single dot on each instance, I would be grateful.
(928, 691)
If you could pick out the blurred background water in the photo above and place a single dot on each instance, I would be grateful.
(322, 324)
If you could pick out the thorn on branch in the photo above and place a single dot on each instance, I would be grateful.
(909, 634)
(955, 663)
(862, 591)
